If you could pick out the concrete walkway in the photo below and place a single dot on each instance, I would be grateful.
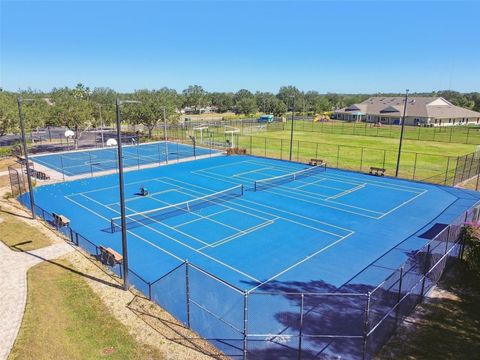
(13, 288)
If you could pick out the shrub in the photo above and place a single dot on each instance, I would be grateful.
(472, 247)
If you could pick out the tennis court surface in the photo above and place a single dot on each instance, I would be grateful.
(80, 162)
(269, 259)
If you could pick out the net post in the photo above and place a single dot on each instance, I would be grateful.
(399, 294)
(338, 154)
(187, 292)
(448, 237)
(425, 267)
(254, 186)
(361, 159)
(245, 324)
(300, 331)
(366, 326)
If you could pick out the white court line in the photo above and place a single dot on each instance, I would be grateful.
(241, 199)
(361, 186)
(146, 217)
(171, 238)
(404, 203)
(251, 171)
(284, 189)
(356, 181)
(195, 214)
(149, 196)
(198, 219)
(310, 183)
(299, 262)
(244, 232)
(210, 191)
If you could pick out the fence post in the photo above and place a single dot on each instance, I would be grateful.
(399, 294)
(446, 172)
(448, 237)
(245, 324)
(187, 292)
(63, 171)
(300, 331)
(338, 154)
(451, 130)
(251, 145)
(425, 267)
(384, 157)
(316, 152)
(415, 166)
(265, 146)
(281, 149)
(361, 159)
(468, 133)
(366, 326)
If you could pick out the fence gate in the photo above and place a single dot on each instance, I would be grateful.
(17, 181)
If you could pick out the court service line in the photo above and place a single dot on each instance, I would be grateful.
(276, 209)
(171, 238)
(251, 171)
(361, 186)
(404, 203)
(244, 232)
(299, 262)
(198, 219)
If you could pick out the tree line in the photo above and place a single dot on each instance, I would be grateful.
(81, 108)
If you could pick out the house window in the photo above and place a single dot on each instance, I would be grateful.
(435, 121)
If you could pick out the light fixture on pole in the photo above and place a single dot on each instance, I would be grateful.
(122, 193)
(25, 153)
(291, 128)
(401, 134)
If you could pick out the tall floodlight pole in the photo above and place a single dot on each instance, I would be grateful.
(291, 128)
(101, 124)
(165, 131)
(25, 154)
(122, 193)
(401, 133)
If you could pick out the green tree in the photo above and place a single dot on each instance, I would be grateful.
(71, 108)
(278, 107)
(103, 104)
(150, 111)
(265, 101)
(8, 113)
(246, 106)
(195, 96)
(223, 101)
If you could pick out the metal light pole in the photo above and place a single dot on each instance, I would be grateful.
(401, 134)
(25, 154)
(165, 131)
(101, 124)
(291, 128)
(122, 193)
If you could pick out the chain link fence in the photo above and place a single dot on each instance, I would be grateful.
(462, 134)
(432, 168)
(290, 321)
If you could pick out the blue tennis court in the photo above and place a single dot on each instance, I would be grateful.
(90, 161)
(267, 228)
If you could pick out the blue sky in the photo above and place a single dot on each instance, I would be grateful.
(349, 47)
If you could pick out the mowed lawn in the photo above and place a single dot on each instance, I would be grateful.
(420, 160)
(455, 134)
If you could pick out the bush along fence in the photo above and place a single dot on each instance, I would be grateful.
(432, 168)
(464, 134)
(283, 320)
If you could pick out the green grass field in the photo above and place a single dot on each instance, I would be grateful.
(421, 160)
(454, 134)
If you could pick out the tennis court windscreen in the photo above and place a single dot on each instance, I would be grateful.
(283, 179)
(159, 214)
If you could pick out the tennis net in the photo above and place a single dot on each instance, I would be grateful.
(283, 179)
(159, 214)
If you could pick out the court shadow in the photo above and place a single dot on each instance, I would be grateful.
(15, 214)
(165, 325)
(74, 271)
(332, 322)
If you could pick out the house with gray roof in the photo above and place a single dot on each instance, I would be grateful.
(420, 111)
